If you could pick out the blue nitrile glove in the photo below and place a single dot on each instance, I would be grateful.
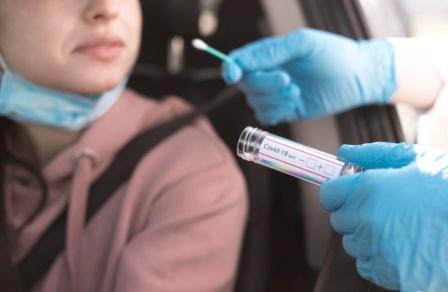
(311, 73)
(394, 216)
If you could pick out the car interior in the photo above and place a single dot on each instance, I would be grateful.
(289, 244)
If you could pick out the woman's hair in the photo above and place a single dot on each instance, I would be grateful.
(9, 280)
(7, 273)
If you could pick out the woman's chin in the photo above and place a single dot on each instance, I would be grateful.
(95, 89)
(92, 87)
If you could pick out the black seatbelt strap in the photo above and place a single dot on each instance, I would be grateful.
(50, 245)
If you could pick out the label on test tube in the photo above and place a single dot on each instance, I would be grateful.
(298, 160)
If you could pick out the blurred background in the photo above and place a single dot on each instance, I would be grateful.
(289, 244)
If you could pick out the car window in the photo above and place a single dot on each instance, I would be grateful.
(399, 18)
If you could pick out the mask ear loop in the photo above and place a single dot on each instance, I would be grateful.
(3, 66)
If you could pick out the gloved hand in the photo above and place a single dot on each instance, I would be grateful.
(310, 73)
(394, 216)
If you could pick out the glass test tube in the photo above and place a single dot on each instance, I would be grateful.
(291, 157)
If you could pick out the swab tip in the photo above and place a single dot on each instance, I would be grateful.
(199, 44)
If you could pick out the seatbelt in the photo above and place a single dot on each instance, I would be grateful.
(338, 272)
(42, 255)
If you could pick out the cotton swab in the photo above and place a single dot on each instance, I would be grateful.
(201, 45)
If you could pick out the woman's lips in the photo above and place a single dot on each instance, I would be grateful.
(102, 49)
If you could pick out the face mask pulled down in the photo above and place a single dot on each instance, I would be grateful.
(25, 102)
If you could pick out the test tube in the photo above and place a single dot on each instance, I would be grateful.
(291, 157)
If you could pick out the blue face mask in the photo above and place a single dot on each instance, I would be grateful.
(23, 101)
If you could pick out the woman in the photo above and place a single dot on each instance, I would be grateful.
(176, 225)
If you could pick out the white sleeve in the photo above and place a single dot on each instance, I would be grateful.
(432, 124)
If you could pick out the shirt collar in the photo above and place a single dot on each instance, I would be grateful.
(102, 139)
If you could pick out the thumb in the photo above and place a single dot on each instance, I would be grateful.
(378, 155)
(231, 72)
(272, 52)
(335, 192)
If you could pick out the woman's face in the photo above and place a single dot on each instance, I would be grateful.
(82, 46)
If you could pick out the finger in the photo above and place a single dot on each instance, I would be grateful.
(271, 110)
(364, 269)
(334, 193)
(343, 222)
(260, 82)
(356, 246)
(348, 217)
(378, 155)
(231, 72)
(273, 52)
(270, 102)
(276, 115)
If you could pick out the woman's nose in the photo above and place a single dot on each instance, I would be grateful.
(101, 11)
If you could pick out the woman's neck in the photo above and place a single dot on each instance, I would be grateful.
(46, 141)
